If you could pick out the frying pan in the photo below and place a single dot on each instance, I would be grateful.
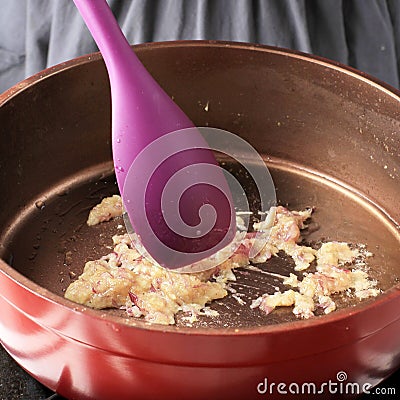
(330, 136)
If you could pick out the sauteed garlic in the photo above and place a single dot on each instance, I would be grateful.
(125, 279)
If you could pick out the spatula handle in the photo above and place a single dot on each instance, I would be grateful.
(106, 32)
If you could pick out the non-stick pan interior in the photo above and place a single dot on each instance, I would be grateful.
(329, 136)
(51, 243)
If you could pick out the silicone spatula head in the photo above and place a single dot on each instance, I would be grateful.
(146, 136)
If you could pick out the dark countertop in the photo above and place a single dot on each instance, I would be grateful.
(16, 384)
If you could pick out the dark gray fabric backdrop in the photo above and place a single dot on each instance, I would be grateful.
(365, 34)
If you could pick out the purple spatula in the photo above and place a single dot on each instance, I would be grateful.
(201, 219)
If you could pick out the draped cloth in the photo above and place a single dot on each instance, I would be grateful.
(365, 34)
